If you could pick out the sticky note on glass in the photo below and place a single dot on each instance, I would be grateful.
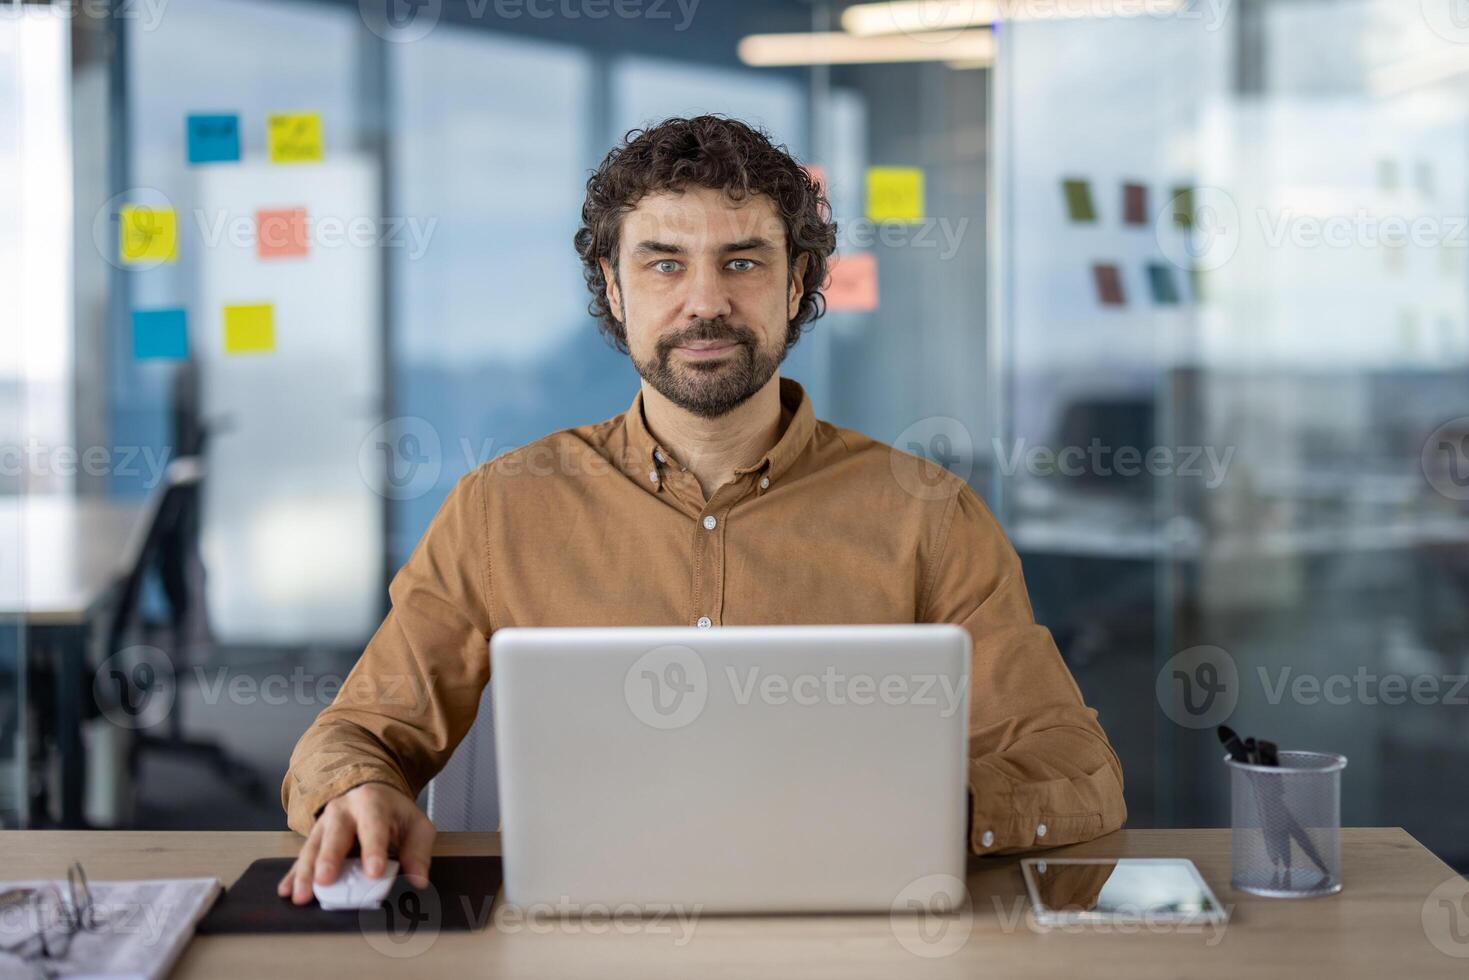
(895, 194)
(1108, 279)
(280, 234)
(147, 235)
(249, 329)
(294, 137)
(1162, 284)
(160, 334)
(1135, 204)
(212, 138)
(853, 282)
(817, 174)
(1079, 207)
(1183, 207)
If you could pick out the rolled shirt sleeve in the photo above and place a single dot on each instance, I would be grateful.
(416, 688)
(1041, 771)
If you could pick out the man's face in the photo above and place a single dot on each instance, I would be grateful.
(705, 294)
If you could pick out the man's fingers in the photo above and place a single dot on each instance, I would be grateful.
(336, 840)
(284, 888)
(301, 890)
(372, 834)
(417, 849)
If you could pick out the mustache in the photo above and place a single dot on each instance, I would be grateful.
(721, 330)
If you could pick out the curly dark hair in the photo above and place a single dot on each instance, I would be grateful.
(711, 151)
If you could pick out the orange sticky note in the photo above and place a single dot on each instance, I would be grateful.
(853, 283)
(818, 174)
(280, 234)
(249, 329)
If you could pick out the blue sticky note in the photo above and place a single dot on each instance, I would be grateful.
(213, 138)
(1160, 281)
(160, 334)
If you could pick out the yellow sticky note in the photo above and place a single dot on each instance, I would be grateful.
(249, 329)
(895, 194)
(147, 234)
(294, 137)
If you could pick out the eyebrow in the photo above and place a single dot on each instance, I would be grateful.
(650, 247)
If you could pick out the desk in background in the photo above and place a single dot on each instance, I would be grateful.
(60, 558)
(1375, 928)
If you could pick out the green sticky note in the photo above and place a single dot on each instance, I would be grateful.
(1183, 207)
(1079, 207)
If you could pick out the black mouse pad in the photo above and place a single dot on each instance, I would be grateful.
(461, 895)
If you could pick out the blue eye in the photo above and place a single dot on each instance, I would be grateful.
(749, 264)
(662, 262)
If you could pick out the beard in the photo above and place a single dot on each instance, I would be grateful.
(710, 388)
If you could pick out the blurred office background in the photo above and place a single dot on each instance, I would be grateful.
(1187, 302)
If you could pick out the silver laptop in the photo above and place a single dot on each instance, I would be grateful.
(734, 769)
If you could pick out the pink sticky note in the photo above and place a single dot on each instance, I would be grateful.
(853, 284)
(280, 234)
(818, 174)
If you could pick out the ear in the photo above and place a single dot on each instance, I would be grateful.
(614, 292)
(798, 285)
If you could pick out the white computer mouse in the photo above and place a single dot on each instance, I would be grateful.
(353, 889)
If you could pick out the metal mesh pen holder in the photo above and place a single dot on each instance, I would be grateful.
(1286, 825)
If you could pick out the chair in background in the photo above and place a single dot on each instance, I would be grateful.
(464, 796)
(168, 532)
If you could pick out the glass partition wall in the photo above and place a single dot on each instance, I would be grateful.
(1233, 274)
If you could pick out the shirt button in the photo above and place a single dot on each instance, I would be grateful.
(658, 455)
(1040, 830)
(653, 475)
(988, 838)
(703, 622)
(764, 482)
(709, 522)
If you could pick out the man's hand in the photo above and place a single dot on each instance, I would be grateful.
(375, 817)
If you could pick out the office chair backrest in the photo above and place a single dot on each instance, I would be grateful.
(180, 494)
(464, 796)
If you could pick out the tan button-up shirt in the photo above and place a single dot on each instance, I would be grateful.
(599, 526)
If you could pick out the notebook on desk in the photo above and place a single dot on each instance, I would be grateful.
(134, 929)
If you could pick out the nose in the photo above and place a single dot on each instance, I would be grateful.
(707, 297)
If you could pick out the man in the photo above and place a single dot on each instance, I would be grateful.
(716, 498)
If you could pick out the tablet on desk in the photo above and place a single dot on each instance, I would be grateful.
(1144, 891)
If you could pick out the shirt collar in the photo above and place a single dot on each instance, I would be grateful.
(644, 450)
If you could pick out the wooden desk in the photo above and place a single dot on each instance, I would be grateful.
(1374, 928)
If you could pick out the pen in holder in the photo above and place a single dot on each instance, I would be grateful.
(1286, 825)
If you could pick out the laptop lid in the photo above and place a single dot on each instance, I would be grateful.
(743, 768)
